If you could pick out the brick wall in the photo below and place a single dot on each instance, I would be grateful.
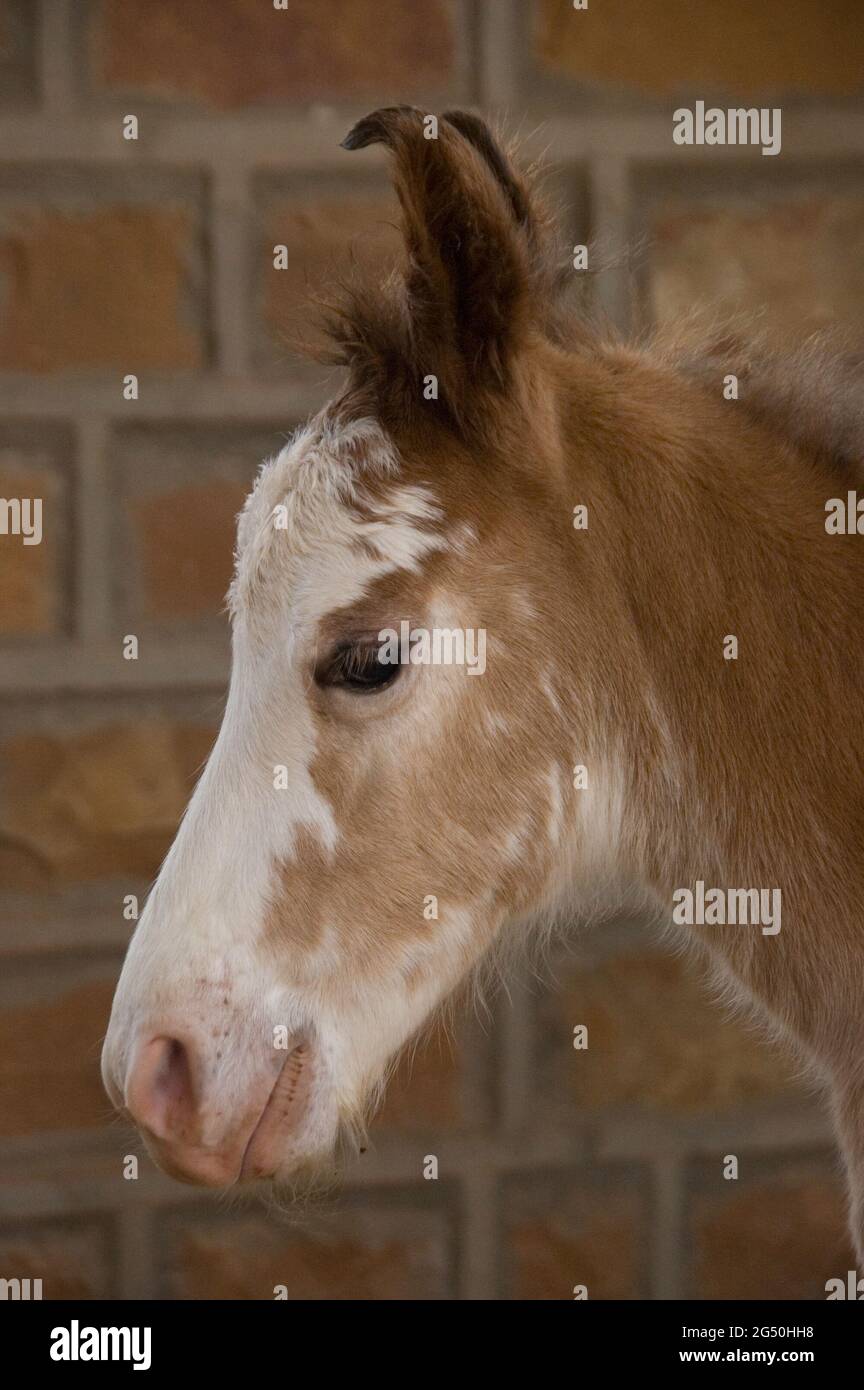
(557, 1167)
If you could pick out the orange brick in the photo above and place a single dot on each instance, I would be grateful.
(81, 806)
(662, 47)
(655, 1041)
(800, 262)
(424, 1093)
(35, 596)
(72, 1258)
(564, 1231)
(380, 1252)
(325, 239)
(187, 540)
(49, 1060)
(179, 490)
(780, 1234)
(242, 51)
(106, 287)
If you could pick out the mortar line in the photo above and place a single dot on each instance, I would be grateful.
(609, 203)
(666, 1243)
(56, 58)
(498, 28)
(92, 508)
(477, 1273)
(292, 144)
(136, 1255)
(515, 1057)
(233, 246)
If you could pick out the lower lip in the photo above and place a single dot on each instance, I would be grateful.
(282, 1115)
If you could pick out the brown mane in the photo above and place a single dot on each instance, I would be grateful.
(810, 392)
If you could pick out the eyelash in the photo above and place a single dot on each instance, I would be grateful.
(355, 667)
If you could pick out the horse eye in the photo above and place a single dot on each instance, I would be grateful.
(358, 668)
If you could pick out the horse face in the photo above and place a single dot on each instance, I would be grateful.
(391, 779)
(382, 796)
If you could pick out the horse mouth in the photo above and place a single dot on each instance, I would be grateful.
(282, 1117)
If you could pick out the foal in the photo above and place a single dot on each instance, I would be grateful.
(671, 697)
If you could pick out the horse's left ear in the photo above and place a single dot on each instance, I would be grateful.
(469, 232)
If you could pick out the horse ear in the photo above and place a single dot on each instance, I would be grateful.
(468, 229)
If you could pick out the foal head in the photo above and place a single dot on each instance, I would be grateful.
(376, 809)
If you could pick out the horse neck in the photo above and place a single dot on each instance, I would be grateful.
(706, 527)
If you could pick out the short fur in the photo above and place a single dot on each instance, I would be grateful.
(705, 518)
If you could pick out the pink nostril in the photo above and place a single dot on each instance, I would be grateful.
(160, 1094)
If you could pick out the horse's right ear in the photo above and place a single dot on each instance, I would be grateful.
(469, 233)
